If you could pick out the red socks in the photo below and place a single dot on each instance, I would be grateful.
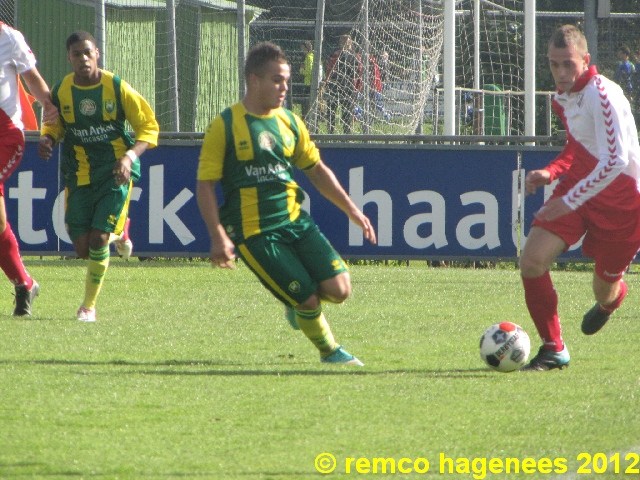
(611, 307)
(542, 302)
(10, 260)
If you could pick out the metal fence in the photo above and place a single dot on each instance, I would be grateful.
(185, 56)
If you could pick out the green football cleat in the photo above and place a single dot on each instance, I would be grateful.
(548, 360)
(340, 355)
(290, 315)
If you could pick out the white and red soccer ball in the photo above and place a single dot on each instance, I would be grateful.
(505, 347)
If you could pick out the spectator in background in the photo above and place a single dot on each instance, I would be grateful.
(376, 85)
(635, 84)
(306, 69)
(17, 59)
(383, 65)
(344, 81)
(624, 73)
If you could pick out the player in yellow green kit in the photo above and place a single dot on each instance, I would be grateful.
(99, 157)
(251, 148)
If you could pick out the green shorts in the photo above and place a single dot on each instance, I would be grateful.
(291, 261)
(103, 207)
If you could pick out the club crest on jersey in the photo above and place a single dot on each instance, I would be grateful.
(294, 287)
(109, 106)
(266, 140)
(287, 139)
(87, 107)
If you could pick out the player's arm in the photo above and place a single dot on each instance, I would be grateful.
(210, 169)
(307, 158)
(328, 185)
(613, 144)
(557, 207)
(122, 168)
(556, 168)
(51, 134)
(39, 89)
(222, 248)
(139, 114)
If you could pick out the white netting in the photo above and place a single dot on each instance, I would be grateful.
(380, 77)
(379, 61)
(196, 83)
(500, 36)
(7, 14)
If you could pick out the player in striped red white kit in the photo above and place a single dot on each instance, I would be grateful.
(16, 58)
(598, 196)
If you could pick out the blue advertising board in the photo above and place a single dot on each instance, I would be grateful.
(425, 201)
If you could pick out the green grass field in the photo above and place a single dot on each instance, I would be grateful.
(192, 372)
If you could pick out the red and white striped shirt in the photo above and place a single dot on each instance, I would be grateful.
(601, 160)
(15, 58)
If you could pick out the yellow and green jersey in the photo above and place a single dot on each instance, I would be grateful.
(253, 158)
(91, 126)
(307, 69)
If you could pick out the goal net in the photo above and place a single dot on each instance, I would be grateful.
(490, 67)
(379, 62)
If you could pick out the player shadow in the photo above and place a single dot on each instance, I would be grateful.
(13, 470)
(336, 370)
(271, 369)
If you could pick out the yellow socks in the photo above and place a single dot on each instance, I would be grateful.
(96, 268)
(315, 327)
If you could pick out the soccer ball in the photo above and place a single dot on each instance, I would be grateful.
(505, 347)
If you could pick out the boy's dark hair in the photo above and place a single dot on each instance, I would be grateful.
(624, 49)
(569, 35)
(79, 36)
(260, 55)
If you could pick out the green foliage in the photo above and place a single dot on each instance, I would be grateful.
(193, 372)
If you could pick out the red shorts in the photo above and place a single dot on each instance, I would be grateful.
(11, 151)
(613, 249)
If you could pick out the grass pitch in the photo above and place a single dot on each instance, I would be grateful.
(192, 372)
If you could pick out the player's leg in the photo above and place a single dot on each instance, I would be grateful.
(78, 214)
(540, 250)
(609, 297)
(321, 261)
(332, 106)
(609, 288)
(111, 208)
(311, 320)
(78, 217)
(26, 289)
(276, 264)
(97, 265)
(337, 288)
(347, 105)
(120, 237)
